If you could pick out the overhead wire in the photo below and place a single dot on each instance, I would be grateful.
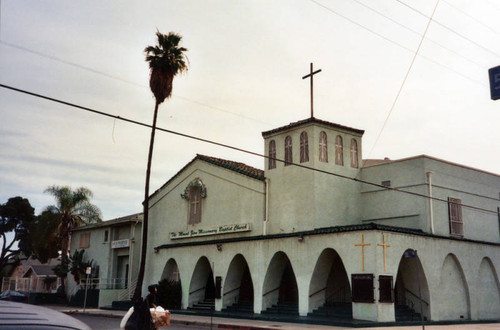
(404, 80)
(89, 69)
(451, 30)
(471, 17)
(224, 145)
(398, 44)
(419, 34)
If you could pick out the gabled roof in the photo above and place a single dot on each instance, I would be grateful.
(238, 167)
(315, 121)
(40, 270)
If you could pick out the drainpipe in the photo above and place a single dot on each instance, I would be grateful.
(266, 210)
(429, 190)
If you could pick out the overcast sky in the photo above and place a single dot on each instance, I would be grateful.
(247, 59)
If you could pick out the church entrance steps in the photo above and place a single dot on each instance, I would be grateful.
(283, 308)
(241, 307)
(204, 305)
(336, 311)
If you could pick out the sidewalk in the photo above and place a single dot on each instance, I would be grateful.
(243, 324)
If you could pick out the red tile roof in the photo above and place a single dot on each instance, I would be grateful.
(312, 120)
(241, 168)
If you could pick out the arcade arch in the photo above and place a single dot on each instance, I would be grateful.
(411, 288)
(488, 291)
(280, 285)
(329, 285)
(452, 299)
(238, 285)
(202, 283)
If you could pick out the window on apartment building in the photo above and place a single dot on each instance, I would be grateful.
(84, 240)
(323, 147)
(106, 236)
(288, 151)
(194, 205)
(304, 147)
(339, 151)
(354, 153)
(272, 154)
(455, 215)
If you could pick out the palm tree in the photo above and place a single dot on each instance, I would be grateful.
(73, 209)
(166, 60)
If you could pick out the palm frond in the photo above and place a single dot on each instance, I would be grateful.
(166, 60)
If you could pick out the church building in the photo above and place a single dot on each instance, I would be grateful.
(320, 232)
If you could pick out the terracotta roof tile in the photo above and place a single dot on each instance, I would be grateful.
(234, 166)
(312, 120)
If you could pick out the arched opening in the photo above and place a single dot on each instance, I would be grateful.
(329, 289)
(452, 299)
(280, 291)
(238, 294)
(489, 291)
(202, 287)
(412, 299)
(170, 287)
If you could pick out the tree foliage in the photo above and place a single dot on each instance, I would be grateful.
(78, 265)
(16, 218)
(44, 236)
(166, 60)
(169, 294)
(72, 209)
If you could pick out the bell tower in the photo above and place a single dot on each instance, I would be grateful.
(303, 194)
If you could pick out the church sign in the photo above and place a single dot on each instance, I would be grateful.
(226, 229)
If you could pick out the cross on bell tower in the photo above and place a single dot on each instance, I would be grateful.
(310, 75)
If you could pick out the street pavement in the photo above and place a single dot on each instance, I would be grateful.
(207, 322)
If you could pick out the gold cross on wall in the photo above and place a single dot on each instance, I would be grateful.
(362, 251)
(384, 246)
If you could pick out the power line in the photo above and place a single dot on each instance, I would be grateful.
(418, 33)
(471, 17)
(451, 30)
(397, 44)
(238, 149)
(404, 80)
(86, 68)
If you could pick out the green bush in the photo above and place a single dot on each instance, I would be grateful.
(169, 294)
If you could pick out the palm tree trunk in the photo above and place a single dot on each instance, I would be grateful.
(140, 276)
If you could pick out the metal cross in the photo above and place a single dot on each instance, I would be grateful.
(384, 246)
(310, 75)
(362, 251)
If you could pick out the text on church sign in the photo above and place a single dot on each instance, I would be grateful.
(226, 229)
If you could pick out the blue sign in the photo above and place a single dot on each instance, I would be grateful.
(495, 82)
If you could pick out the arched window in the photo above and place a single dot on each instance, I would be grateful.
(339, 151)
(288, 151)
(323, 147)
(272, 155)
(194, 193)
(354, 153)
(304, 148)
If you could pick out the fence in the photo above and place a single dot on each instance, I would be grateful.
(31, 284)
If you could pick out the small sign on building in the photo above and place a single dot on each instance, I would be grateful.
(122, 243)
(494, 74)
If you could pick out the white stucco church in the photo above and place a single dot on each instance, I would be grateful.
(320, 231)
